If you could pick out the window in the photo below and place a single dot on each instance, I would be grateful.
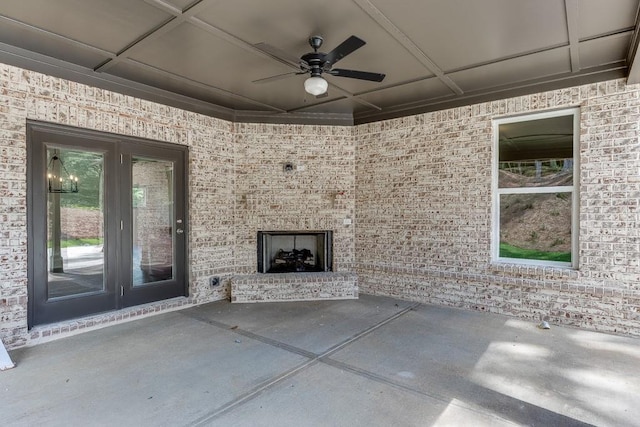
(535, 180)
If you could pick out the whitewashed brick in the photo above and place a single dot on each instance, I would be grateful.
(417, 188)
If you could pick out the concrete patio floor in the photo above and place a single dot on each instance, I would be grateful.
(368, 362)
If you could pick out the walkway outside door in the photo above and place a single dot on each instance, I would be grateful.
(106, 219)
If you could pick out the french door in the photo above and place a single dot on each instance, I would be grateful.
(106, 222)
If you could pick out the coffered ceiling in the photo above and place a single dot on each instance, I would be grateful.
(205, 55)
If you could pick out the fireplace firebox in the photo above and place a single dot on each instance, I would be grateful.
(294, 251)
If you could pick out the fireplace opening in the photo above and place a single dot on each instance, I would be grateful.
(294, 251)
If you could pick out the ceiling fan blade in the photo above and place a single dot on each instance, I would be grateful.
(278, 77)
(281, 56)
(344, 49)
(361, 75)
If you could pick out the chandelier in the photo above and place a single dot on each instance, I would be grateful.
(58, 182)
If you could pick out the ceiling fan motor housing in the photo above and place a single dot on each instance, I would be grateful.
(315, 61)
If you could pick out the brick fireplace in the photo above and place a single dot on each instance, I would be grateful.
(300, 181)
(294, 266)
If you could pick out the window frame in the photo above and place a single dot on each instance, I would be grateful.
(574, 189)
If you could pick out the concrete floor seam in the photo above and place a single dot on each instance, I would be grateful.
(251, 394)
(386, 381)
(251, 335)
(316, 358)
(369, 330)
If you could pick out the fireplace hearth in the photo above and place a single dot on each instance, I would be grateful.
(294, 251)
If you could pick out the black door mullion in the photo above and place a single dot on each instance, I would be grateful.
(124, 232)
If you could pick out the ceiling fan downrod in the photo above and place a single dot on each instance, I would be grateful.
(315, 59)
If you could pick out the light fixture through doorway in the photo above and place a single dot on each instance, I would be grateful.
(60, 180)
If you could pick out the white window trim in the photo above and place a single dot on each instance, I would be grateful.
(574, 190)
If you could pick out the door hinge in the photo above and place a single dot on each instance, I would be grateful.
(121, 225)
(121, 159)
(121, 291)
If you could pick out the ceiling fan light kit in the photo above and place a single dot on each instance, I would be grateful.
(316, 85)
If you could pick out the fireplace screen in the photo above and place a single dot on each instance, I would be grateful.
(294, 251)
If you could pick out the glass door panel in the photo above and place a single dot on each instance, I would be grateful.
(72, 244)
(75, 223)
(152, 220)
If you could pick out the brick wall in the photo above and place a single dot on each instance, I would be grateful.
(423, 212)
(419, 189)
(77, 223)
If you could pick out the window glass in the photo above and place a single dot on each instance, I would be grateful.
(535, 212)
(536, 153)
(536, 226)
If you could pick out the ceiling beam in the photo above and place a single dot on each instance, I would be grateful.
(508, 58)
(571, 6)
(633, 59)
(203, 86)
(304, 118)
(178, 17)
(406, 42)
(53, 36)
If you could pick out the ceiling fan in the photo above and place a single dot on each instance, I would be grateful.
(317, 63)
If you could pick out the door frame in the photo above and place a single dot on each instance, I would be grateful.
(117, 208)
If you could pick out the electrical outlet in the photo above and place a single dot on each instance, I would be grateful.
(214, 281)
